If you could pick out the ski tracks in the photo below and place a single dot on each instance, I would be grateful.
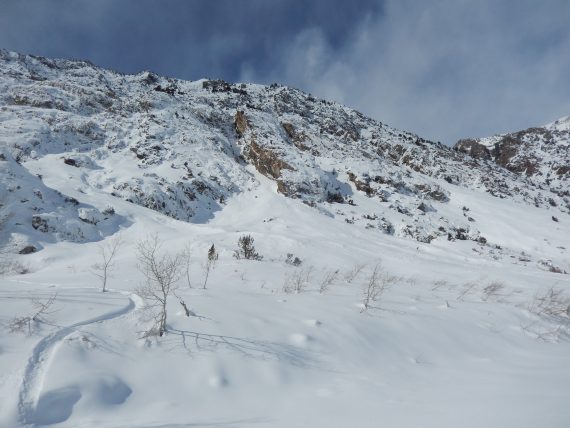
(35, 370)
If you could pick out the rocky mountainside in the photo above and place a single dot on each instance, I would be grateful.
(185, 148)
(540, 153)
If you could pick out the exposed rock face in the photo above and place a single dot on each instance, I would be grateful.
(473, 148)
(540, 153)
(240, 123)
(298, 139)
(28, 249)
(185, 148)
(265, 160)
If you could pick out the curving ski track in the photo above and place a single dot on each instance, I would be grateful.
(29, 390)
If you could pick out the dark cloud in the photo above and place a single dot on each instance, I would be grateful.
(182, 38)
(443, 68)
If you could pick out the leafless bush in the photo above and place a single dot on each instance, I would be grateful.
(298, 281)
(353, 273)
(328, 280)
(107, 253)
(186, 255)
(438, 284)
(378, 282)
(41, 310)
(492, 290)
(467, 288)
(411, 281)
(553, 305)
(161, 271)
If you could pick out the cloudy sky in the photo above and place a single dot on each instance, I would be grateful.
(444, 69)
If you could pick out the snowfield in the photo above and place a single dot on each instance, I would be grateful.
(435, 350)
(402, 284)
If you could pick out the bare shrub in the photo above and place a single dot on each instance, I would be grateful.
(467, 288)
(41, 310)
(377, 283)
(328, 279)
(107, 253)
(438, 284)
(298, 281)
(492, 290)
(554, 306)
(246, 249)
(161, 271)
(411, 281)
(552, 303)
(354, 272)
(186, 255)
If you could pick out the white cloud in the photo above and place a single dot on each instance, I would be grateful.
(445, 69)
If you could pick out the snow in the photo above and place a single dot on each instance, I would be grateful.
(458, 339)
(435, 352)
(561, 125)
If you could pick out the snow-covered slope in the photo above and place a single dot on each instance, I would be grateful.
(455, 340)
(183, 148)
(470, 329)
(541, 153)
(32, 214)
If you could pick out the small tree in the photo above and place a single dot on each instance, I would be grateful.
(161, 272)
(210, 263)
(246, 249)
(378, 282)
(42, 309)
(187, 258)
(107, 253)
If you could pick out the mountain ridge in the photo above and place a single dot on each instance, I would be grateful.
(184, 148)
(541, 153)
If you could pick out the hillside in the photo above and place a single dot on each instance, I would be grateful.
(399, 282)
(185, 148)
(540, 153)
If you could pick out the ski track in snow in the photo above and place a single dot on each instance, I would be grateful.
(33, 374)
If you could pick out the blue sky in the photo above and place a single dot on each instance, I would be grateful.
(445, 69)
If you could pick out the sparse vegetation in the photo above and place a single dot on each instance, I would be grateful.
(328, 279)
(293, 260)
(161, 271)
(246, 249)
(377, 283)
(210, 263)
(298, 281)
(41, 310)
(187, 258)
(552, 305)
(107, 253)
(354, 272)
(467, 288)
(492, 290)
